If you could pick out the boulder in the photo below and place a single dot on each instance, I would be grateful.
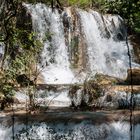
(107, 80)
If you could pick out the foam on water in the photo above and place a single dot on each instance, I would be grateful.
(85, 130)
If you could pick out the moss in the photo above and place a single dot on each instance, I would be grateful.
(106, 80)
(63, 3)
(75, 54)
(94, 89)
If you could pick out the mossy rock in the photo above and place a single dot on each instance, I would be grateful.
(93, 88)
(107, 80)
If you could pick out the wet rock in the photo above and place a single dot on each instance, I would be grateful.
(135, 76)
(118, 100)
(66, 20)
(120, 37)
(107, 80)
(123, 103)
(135, 41)
(109, 98)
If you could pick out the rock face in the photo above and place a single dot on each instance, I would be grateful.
(136, 47)
(135, 77)
(24, 20)
(107, 80)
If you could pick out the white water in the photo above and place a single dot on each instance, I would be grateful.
(106, 56)
(61, 97)
(104, 37)
(48, 98)
(54, 56)
(118, 99)
(52, 98)
(85, 130)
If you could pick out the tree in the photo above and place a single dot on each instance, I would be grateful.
(21, 48)
(129, 10)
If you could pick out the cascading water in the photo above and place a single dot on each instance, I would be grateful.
(104, 38)
(107, 50)
(69, 37)
(54, 57)
(78, 42)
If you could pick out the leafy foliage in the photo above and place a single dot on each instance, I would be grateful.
(22, 46)
(21, 49)
(129, 10)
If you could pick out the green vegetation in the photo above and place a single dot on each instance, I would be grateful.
(22, 46)
(80, 3)
(21, 51)
(129, 10)
(74, 47)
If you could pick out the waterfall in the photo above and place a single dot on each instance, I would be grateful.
(54, 57)
(77, 44)
(100, 38)
(107, 54)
